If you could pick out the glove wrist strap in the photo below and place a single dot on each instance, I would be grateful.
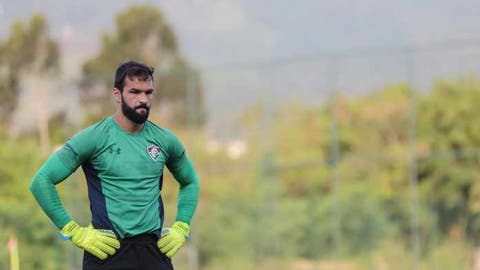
(68, 230)
(183, 227)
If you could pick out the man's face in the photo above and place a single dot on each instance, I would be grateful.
(137, 99)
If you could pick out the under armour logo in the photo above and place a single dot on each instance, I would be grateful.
(111, 150)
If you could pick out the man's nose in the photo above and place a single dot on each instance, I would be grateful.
(143, 98)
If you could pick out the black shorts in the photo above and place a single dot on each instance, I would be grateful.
(138, 252)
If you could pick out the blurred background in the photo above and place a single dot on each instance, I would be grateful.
(327, 134)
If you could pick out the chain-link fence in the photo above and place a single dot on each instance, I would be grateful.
(330, 161)
(333, 204)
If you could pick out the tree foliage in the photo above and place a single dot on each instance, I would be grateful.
(316, 182)
(365, 195)
(450, 140)
(27, 49)
(19, 213)
(142, 34)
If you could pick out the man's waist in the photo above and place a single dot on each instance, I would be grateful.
(142, 238)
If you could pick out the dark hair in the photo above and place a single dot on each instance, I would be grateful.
(132, 69)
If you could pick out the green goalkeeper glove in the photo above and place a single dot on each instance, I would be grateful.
(174, 239)
(98, 243)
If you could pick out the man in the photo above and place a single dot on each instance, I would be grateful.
(123, 157)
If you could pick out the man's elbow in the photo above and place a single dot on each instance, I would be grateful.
(36, 183)
(33, 184)
(190, 181)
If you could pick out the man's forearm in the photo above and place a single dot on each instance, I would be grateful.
(43, 188)
(188, 193)
(187, 201)
(47, 197)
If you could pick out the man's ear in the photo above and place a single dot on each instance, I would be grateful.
(117, 95)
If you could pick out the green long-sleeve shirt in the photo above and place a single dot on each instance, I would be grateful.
(124, 174)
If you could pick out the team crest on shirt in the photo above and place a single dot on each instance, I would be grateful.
(153, 151)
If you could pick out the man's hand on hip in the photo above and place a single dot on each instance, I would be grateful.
(99, 243)
(174, 239)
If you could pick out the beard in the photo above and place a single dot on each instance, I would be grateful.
(133, 115)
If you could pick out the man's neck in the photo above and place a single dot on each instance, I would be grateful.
(126, 124)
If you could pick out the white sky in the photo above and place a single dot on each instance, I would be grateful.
(224, 32)
(213, 32)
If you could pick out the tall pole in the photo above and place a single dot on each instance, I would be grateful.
(13, 249)
(191, 102)
(335, 153)
(415, 242)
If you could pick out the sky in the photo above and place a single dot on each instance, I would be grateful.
(220, 37)
(219, 32)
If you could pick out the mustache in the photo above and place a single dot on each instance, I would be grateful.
(144, 106)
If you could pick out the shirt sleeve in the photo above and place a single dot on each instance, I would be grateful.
(57, 168)
(182, 169)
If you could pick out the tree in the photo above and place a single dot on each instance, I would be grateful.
(142, 34)
(27, 48)
(448, 172)
(29, 60)
(19, 213)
